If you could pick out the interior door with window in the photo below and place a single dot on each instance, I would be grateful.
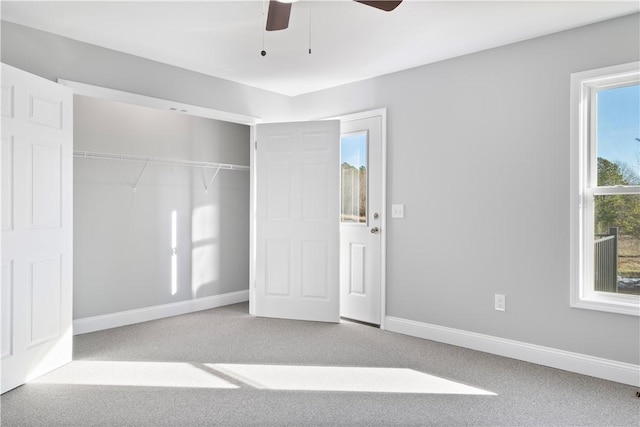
(36, 309)
(361, 219)
(297, 229)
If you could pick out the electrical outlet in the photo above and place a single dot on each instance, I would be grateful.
(397, 211)
(500, 302)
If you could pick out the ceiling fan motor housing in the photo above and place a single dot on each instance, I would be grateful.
(279, 12)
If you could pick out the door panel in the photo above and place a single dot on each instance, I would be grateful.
(7, 183)
(44, 185)
(44, 300)
(356, 266)
(361, 219)
(278, 198)
(37, 139)
(45, 110)
(7, 308)
(315, 194)
(315, 264)
(297, 232)
(278, 268)
(7, 100)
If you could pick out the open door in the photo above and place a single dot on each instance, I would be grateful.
(297, 234)
(37, 171)
(362, 218)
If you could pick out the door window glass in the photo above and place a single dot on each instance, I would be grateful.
(353, 180)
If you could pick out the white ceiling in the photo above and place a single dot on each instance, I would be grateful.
(349, 41)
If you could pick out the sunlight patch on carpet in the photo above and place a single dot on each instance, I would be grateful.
(353, 379)
(139, 374)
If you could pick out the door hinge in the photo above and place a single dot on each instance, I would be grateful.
(256, 145)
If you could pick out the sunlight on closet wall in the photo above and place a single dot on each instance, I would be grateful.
(174, 254)
(205, 235)
(147, 234)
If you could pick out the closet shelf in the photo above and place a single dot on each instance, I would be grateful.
(159, 161)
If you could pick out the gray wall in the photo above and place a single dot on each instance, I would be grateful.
(123, 239)
(478, 150)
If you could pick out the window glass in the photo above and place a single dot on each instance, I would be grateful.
(618, 145)
(617, 243)
(353, 182)
(617, 216)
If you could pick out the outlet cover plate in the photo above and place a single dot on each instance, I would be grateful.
(500, 302)
(397, 211)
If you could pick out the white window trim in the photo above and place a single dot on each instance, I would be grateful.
(583, 173)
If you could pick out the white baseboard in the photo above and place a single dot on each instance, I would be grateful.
(611, 370)
(129, 317)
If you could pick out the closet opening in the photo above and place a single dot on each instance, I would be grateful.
(161, 208)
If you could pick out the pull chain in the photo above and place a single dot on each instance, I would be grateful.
(264, 30)
(309, 27)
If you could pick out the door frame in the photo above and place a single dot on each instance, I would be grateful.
(101, 92)
(382, 113)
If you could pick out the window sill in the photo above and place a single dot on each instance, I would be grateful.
(621, 304)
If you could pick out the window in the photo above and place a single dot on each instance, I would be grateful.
(605, 207)
(353, 180)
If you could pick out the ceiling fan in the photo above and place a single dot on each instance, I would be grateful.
(280, 10)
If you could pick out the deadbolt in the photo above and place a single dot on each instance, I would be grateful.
(375, 215)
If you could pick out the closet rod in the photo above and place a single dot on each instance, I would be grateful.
(158, 161)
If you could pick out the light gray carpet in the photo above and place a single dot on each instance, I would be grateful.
(525, 394)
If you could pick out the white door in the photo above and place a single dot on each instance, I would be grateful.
(361, 219)
(297, 232)
(36, 309)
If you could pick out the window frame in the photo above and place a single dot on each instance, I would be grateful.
(584, 88)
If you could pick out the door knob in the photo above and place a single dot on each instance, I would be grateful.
(375, 230)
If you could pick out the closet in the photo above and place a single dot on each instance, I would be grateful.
(161, 208)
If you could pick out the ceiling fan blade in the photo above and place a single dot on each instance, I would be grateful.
(278, 15)
(387, 6)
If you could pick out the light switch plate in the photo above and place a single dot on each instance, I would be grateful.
(397, 211)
